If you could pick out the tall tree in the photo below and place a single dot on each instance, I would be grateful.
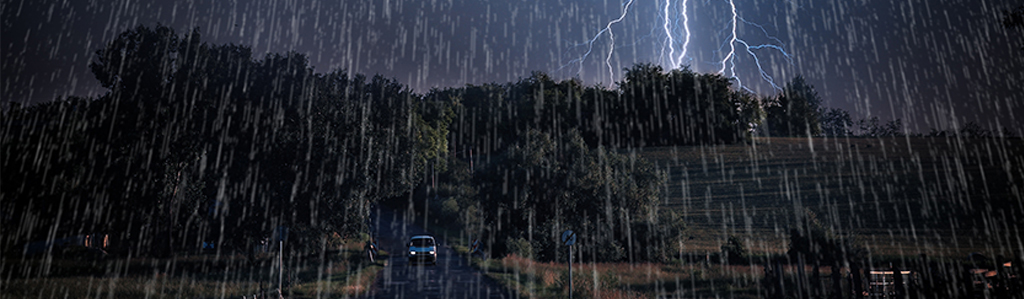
(1014, 19)
(794, 112)
(836, 122)
(679, 107)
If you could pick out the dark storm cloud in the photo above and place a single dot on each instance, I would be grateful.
(927, 62)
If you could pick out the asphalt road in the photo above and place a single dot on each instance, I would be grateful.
(452, 277)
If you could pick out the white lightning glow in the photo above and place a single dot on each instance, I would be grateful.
(675, 17)
(686, 28)
(611, 36)
(732, 42)
(669, 40)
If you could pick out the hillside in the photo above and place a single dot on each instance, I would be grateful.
(898, 196)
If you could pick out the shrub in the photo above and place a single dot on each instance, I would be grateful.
(734, 251)
(520, 247)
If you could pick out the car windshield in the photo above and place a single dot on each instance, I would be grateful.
(422, 242)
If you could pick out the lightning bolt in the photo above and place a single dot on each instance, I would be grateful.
(733, 39)
(590, 44)
(732, 43)
(686, 27)
(611, 36)
(764, 75)
(670, 42)
(677, 35)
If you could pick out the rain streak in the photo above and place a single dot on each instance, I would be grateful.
(512, 149)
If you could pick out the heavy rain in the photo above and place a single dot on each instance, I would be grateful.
(512, 149)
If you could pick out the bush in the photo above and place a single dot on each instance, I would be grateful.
(520, 247)
(734, 252)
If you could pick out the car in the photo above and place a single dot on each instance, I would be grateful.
(422, 249)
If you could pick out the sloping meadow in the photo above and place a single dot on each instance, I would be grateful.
(895, 196)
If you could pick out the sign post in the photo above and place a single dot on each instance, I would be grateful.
(282, 235)
(569, 238)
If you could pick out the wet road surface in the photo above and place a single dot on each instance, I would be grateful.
(452, 277)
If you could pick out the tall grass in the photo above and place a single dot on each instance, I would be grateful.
(342, 273)
(535, 279)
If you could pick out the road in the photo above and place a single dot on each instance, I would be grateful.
(452, 277)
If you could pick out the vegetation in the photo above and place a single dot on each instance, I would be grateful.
(761, 192)
(787, 201)
(339, 273)
(535, 279)
(734, 251)
(540, 187)
(651, 107)
(1014, 18)
(794, 112)
(800, 209)
(199, 144)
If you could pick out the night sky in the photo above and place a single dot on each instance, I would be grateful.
(932, 63)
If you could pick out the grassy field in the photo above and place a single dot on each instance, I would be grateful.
(899, 196)
(532, 279)
(342, 273)
(623, 280)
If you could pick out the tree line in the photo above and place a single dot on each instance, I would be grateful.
(650, 107)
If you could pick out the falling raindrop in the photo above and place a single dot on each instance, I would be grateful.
(696, 148)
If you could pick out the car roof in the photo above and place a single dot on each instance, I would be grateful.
(422, 237)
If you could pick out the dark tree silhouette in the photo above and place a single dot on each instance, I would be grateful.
(1014, 19)
(794, 112)
(836, 122)
(872, 127)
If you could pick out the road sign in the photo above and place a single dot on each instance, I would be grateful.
(568, 238)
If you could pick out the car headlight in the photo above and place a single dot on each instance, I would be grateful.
(431, 252)
(412, 253)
